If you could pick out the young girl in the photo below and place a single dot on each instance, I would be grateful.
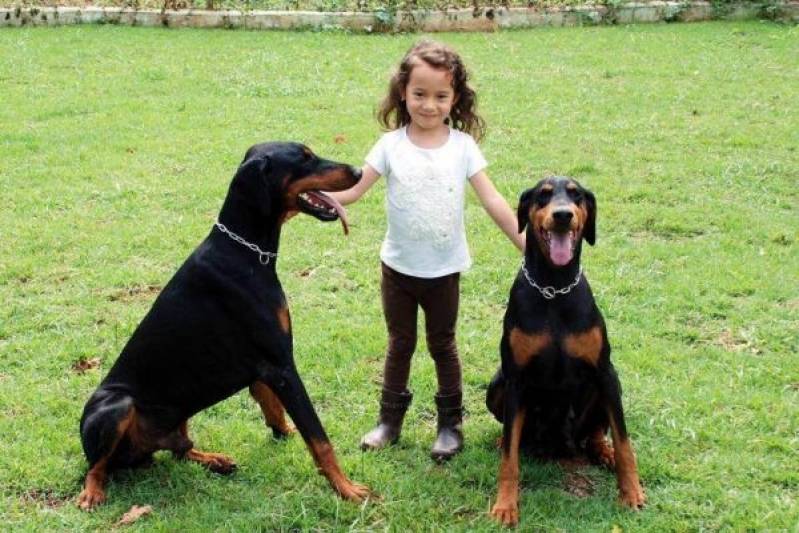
(426, 160)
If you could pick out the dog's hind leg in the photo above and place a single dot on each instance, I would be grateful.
(274, 413)
(630, 492)
(495, 395)
(183, 447)
(591, 427)
(105, 421)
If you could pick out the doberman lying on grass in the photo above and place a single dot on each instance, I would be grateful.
(221, 324)
(556, 391)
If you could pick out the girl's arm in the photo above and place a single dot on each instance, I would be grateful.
(499, 210)
(368, 178)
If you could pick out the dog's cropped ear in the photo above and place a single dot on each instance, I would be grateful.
(522, 212)
(258, 163)
(590, 224)
(251, 184)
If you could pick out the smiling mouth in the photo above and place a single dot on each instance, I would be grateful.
(560, 245)
(323, 207)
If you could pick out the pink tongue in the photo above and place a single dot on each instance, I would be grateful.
(342, 213)
(560, 248)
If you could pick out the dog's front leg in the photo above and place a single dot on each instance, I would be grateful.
(290, 390)
(630, 492)
(506, 509)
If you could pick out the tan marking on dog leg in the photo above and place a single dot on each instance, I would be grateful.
(506, 509)
(630, 492)
(325, 459)
(271, 407)
(215, 462)
(284, 319)
(525, 347)
(600, 450)
(93, 493)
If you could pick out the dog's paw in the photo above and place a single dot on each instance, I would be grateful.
(632, 497)
(354, 492)
(90, 498)
(506, 513)
(283, 432)
(215, 462)
(602, 453)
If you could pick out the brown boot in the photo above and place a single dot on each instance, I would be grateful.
(450, 432)
(393, 406)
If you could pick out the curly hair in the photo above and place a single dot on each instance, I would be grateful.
(393, 114)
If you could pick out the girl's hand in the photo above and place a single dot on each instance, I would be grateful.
(368, 178)
(497, 207)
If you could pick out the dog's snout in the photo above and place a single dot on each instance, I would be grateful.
(562, 216)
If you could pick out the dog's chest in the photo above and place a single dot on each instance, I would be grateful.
(547, 346)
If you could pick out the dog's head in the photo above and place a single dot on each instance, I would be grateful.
(280, 179)
(560, 213)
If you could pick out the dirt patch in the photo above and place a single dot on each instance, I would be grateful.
(578, 484)
(793, 304)
(743, 341)
(45, 497)
(134, 293)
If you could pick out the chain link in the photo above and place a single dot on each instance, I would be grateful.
(549, 292)
(263, 257)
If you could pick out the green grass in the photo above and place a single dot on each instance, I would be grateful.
(116, 149)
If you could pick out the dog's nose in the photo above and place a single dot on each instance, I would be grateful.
(562, 216)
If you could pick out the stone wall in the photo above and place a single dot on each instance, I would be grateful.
(481, 19)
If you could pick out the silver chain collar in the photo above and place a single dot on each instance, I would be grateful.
(549, 292)
(263, 257)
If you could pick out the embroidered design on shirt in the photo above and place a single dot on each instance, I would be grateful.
(426, 192)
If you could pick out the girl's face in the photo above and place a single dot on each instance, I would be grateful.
(429, 96)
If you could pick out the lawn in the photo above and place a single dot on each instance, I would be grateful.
(117, 148)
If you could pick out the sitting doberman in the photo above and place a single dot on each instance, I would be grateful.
(556, 391)
(221, 324)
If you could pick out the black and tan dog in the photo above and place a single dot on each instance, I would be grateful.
(557, 392)
(221, 324)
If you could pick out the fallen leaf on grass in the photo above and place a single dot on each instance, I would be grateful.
(82, 365)
(340, 139)
(136, 512)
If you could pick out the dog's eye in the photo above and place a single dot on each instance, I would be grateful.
(544, 196)
(575, 195)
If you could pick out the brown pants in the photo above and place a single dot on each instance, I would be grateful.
(438, 297)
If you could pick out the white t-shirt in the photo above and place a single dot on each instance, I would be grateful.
(425, 199)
